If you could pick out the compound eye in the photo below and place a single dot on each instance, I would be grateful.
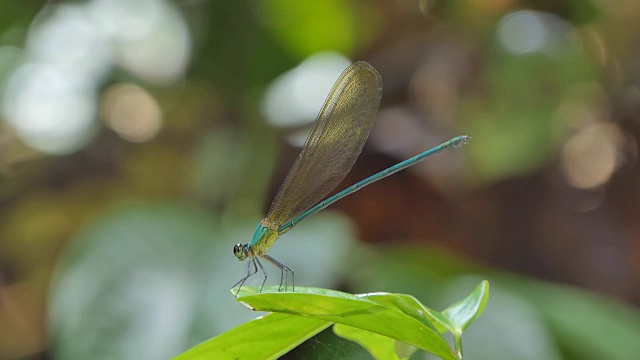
(239, 251)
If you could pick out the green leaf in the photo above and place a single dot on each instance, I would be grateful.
(403, 350)
(352, 310)
(266, 337)
(414, 308)
(465, 311)
(380, 347)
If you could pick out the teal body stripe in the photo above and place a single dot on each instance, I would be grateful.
(257, 235)
(455, 142)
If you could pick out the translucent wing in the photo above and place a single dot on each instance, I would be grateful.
(340, 131)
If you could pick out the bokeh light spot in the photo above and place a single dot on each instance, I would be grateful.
(522, 32)
(66, 36)
(525, 32)
(295, 97)
(49, 111)
(132, 113)
(151, 38)
(589, 158)
(51, 98)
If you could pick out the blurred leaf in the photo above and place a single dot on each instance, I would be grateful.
(229, 166)
(580, 12)
(266, 337)
(235, 51)
(583, 12)
(352, 310)
(303, 27)
(146, 171)
(517, 113)
(127, 286)
(15, 15)
(590, 327)
(408, 268)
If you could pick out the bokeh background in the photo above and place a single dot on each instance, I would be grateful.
(141, 139)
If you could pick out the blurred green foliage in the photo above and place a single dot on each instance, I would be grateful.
(515, 111)
(123, 250)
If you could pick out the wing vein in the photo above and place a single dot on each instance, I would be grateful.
(334, 144)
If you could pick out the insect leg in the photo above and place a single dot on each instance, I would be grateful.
(249, 274)
(284, 275)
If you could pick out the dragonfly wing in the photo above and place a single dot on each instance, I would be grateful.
(332, 147)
